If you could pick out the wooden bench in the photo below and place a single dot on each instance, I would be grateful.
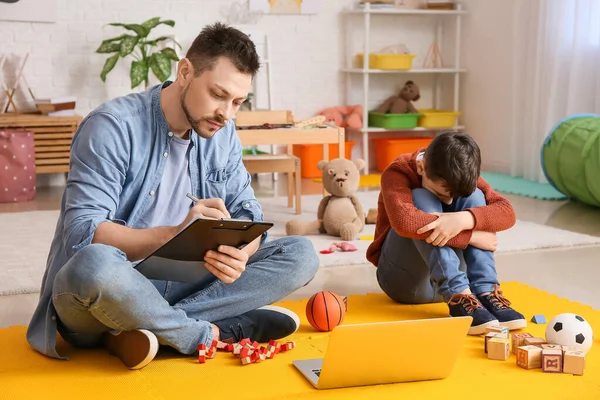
(52, 138)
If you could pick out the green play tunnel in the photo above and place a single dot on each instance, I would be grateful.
(570, 158)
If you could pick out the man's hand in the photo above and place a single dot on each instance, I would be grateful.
(447, 226)
(206, 208)
(484, 240)
(227, 264)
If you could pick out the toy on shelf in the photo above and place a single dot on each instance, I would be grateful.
(344, 116)
(402, 102)
(433, 58)
(339, 213)
(325, 310)
(569, 329)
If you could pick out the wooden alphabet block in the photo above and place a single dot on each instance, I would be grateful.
(574, 362)
(547, 346)
(529, 357)
(498, 348)
(552, 360)
(534, 341)
(518, 340)
(498, 329)
(488, 336)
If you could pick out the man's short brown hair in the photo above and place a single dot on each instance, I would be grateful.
(455, 159)
(219, 40)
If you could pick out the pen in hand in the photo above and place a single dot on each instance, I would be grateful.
(193, 198)
(219, 206)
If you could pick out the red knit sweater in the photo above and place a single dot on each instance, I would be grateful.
(396, 209)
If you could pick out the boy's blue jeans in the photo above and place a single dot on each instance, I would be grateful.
(98, 290)
(414, 271)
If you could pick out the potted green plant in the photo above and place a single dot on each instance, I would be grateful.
(145, 52)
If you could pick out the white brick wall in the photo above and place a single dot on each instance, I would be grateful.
(305, 49)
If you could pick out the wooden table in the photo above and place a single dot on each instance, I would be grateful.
(291, 136)
(52, 138)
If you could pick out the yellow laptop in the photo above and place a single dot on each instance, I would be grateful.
(388, 352)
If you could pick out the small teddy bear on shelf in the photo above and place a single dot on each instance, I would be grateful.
(401, 104)
(340, 213)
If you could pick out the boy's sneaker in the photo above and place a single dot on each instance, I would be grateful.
(498, 305)
(261, 325)
(463, 305)
(135, 348)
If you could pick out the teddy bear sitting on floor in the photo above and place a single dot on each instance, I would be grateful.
(340, 213)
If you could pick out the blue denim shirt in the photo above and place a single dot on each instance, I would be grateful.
(116, 164)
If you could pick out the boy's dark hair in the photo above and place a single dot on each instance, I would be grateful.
(219, 40)
(455, 159)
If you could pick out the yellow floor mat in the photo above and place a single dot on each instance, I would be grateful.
(365, 180)
(93, 374)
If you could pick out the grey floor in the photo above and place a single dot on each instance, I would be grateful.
(572, 273)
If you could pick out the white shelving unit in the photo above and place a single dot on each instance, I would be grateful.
(455, 70)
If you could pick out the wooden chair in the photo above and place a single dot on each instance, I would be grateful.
(274, 163)
(282, 163)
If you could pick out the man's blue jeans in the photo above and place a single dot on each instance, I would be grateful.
(414, 271)
(98, 290)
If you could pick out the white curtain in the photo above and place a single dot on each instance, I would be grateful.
(556, 73)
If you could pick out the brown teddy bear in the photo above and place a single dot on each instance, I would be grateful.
(401, 104)
(340, 213)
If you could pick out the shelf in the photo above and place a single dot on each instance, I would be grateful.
(418, 129)
(404, 71)
(404, 11)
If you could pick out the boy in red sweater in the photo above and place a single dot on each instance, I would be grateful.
(435, 235)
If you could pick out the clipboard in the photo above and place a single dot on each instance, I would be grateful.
(181, 259)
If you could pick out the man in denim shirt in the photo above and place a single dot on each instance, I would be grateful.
(133, 160)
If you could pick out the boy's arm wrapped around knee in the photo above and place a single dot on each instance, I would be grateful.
(497, 215)
(404, 217)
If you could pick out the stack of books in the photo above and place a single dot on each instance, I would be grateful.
(57, 106)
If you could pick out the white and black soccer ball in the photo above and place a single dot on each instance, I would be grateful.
(569, 329)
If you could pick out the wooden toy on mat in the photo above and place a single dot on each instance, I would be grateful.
(529, 357)
(248, 352)
(498, 348)
(574, 362)
(538, 319)
(552, 360)
(325, 310)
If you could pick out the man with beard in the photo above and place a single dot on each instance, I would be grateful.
(133, 160)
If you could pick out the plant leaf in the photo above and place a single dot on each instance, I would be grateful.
(140, 30)
(170, 54)
(151, 23)
(127, 45)
(109, 64)
(138, 73)
(155, 41)
(161, 66)
(108, 46)
(169, 22)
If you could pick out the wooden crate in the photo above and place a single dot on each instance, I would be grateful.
(52, 137)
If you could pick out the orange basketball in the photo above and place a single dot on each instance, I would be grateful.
(325, 311)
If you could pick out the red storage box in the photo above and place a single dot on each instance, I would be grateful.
(17, 166)
(311, 154)
(388, 149)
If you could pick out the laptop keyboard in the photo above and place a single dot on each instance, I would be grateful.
(317, 372)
